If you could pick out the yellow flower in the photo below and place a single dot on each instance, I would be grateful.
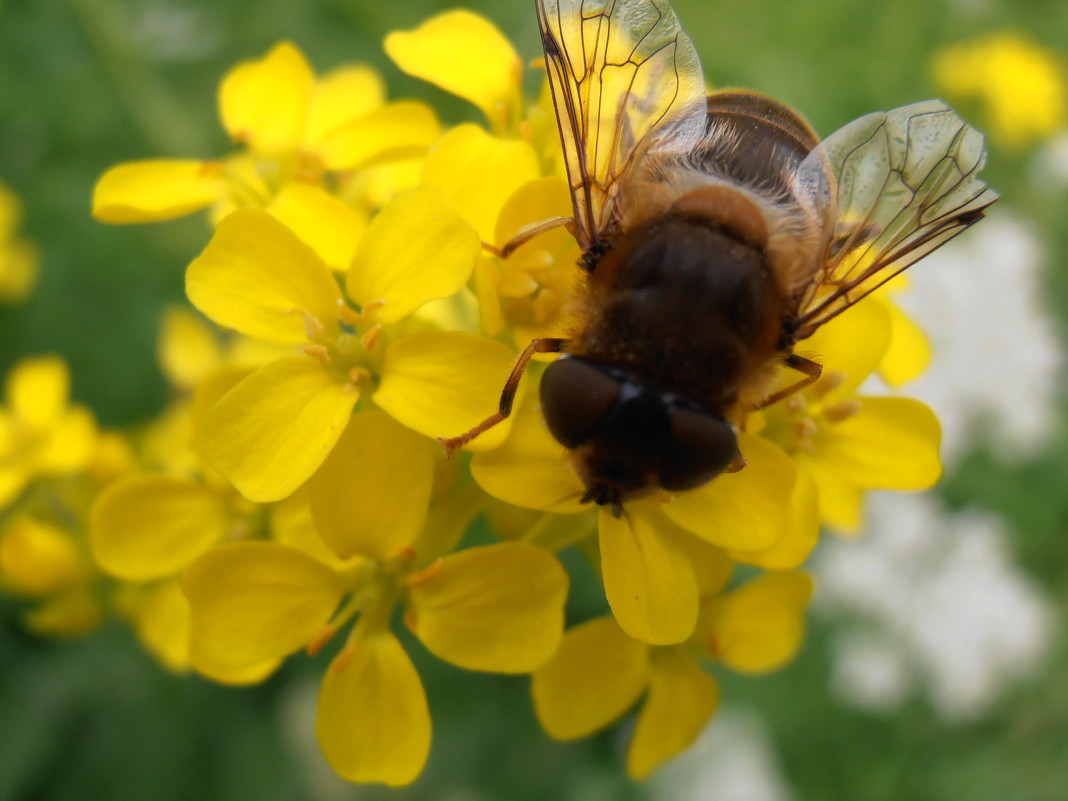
(1020, 84)
(845, 442)
(495, 608)
(296, 129)
(648, 575)
(18, 258)
(273, 429)
(464, 53)
(599, 672)
(41, 433)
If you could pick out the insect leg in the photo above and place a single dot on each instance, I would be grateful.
(547, 345)
(528, 233)
(811, 369)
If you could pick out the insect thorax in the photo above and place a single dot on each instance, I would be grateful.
(685, 306)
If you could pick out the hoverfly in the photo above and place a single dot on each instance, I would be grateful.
(717, 232)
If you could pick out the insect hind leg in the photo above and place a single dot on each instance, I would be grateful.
(811, 370)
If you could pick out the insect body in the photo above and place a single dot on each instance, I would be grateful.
(717, 232)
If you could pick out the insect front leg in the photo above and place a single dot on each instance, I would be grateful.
(528, 233)
(811, 370)
(547, 345)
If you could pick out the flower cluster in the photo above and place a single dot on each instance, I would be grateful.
(1021, 85)
(360, 301)
(18, 258)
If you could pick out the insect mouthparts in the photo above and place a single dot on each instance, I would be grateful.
(604, 494)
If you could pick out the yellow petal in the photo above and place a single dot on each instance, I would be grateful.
(416, 250)
(852, 344)
(747, 510)
(711, 564)
(292, 525)
(18, 271)
(374, 723)
(530, 469)
(151, 526)
(840, 502)
(187, 349)
(390, 469)
(162, 625)
(682, 699)
(596, 675)
(212, 388)
(156, 189)
(38, 559)
(465, 54)
(38, 389)
(443, 383)
(241, 676)
(253, 601)
(13, 478)
(69, 614)
(329, 226)
(448, 520)
(648, 577)
(264, 102)
(802, 535)
(760, 626)
(891, 443)
(255, 274)
(70, 444)
(272, 431)
(909, 353)
(532, 203)
(399, 131)
(498, 608)
(342, 95)
(478, 172)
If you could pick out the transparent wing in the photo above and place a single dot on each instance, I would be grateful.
(892, 186)
(625, 81)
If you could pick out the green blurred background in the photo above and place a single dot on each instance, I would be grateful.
(85, 84)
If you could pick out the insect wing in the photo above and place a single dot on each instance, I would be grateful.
(625, 81)
(893, 187)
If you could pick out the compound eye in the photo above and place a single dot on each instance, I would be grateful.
(698, 448)
(575, 396)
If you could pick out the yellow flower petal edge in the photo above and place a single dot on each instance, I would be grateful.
(597, 674)
(416, 250)
(465, 54)
(404, 129)
(443, 383)
(341, 96)
(479, 172)
(256, 274)
(802, 535)
(497, 608)
(891, 443)
(530, 468)
(37, 390)
(682, 699)
(254, 601)
(188, 349)
(147, 527)
(331, 227)
(374, 722)
(760, 626)
(272, 431)
(748, 510)
(264, 102)
(648, 577)
(391, 467)
(156, 189)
